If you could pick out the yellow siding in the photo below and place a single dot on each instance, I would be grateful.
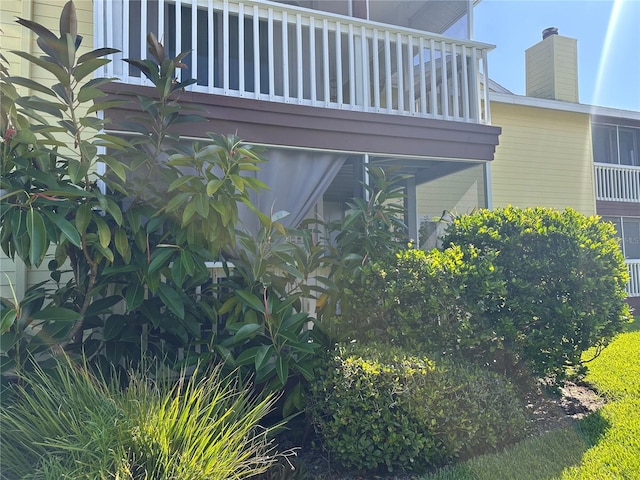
(15, 37)
(539, 70)
(544, 159)
(7, 276)
(552, 69)
(566, 68)
(459, 193)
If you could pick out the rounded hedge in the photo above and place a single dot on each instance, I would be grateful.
(563, 280)
(376, 406)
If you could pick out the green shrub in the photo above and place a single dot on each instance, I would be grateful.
(377, 406)
(564, 279)
(71, 423)
(420, 300)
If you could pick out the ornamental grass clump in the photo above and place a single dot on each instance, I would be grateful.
(73, 423)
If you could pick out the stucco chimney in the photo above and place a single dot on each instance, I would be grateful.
(552, 67)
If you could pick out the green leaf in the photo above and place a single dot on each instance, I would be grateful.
(116, 167)
(134, 296)
(52, 333)
(38, 240)
(306, 369)
(250, 299)
(56, 314)
(66, 227)
(104, 232)
(49, 66)
(88, 67)
(122, 244)
(171, 299)
(106, 252)
(31, 84)
(265, 373)
(176, 202)
(113, 326)
(187, 262)
(102, 305)
(178, 182)
(69, 20)
(282, 369)
(102, 106)
(213, 186)
(192, 324)
(97, 53)
(83, 218)
(295, 322)
(88, 93)
(263, 356)
(246, 331)
(8, 318)
(202, 205)
(36, 28)
(52, 108)
(77, 170)
(178, 272)
(248, 356)
(159, 259)
(189, 210)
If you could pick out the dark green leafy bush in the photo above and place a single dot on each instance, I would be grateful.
(377, 406)
(564, 280)
(421, 300)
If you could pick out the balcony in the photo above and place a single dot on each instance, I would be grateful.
(290, 55)
(617, 183)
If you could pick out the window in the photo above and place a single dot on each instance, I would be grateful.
(628, 231)
(629, 141)
(605, 144)
(616, 144)
(631, 237)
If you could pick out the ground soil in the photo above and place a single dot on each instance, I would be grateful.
(548, 412)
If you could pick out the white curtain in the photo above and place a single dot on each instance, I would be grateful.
(296, 180)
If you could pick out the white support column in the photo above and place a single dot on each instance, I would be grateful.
(256, 52)
(411, 209)
(241, 48)
(488, 190)
(470, 19)
(366, 175)
(225, 47)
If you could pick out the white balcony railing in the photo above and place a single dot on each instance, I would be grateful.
(617, 183)
(280, 53)
(633, 288)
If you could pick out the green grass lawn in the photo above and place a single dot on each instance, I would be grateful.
(605, 445)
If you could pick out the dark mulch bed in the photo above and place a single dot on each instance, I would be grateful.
(548, 412)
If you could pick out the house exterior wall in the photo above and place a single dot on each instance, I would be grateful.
(16, 37)
(459, 193)
(544, 159)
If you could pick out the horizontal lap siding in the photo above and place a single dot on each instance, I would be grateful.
(8, 275)
(544, 159)
(15, 37)
(459, 193)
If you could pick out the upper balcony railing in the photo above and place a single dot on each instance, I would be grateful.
(280, 53)
(633, 288)
(617, 183)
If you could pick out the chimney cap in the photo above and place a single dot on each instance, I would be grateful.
(547, 32)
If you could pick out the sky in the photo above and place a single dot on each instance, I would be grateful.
(608, 34)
